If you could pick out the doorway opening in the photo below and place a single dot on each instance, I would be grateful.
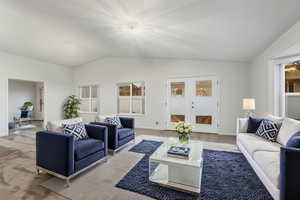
(289, 90)
(25, 105)
(194, 100)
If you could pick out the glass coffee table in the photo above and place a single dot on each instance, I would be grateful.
(176, 173)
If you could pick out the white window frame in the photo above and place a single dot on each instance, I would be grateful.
(90, 99)
(130, 99)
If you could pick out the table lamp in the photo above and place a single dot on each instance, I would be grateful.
(249, 107)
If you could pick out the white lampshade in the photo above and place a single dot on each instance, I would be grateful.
(249, 104)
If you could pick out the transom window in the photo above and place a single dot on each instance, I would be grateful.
(89, 98)
(131, 98)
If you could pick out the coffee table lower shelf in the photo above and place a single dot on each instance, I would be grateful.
(160, 176)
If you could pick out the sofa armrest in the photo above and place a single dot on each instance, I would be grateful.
(112, 134)
(289, 173)
(55, 152)
(98, 132)
(242, 125)
(127, 122)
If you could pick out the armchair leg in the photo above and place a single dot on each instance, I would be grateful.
(67, 182)
(37, 171)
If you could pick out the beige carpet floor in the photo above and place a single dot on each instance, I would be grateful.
(98, 182)
(18, 179)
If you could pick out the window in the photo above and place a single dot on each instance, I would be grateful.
(292, 77)
(89, 98)
(131, 98)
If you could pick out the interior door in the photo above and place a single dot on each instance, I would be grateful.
(177, 102)
(205, 104)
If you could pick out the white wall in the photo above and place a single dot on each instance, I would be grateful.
(108, 72)
(18, 93)
(57, 80)
(261, 71)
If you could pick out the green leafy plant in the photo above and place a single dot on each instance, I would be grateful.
(26, 105)
(71, 107)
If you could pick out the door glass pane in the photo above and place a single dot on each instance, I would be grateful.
(204, 88)
(292, 77)
(94, 91)
(124, 90)
(177, 88)
(85, 92)
(124, 104)
(177, 118)
(203, 119)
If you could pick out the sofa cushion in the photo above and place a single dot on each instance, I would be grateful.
(268, 130)
(288, 129)
(253, 143)
(253, 124)
(276, 119)
(269, 162)
(294, 141)
(125, 132)
(84, 148)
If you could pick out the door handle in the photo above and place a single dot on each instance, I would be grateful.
(193, 107)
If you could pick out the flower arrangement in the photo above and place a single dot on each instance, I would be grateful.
(184, 130)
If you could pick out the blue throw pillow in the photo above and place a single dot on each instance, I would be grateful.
(77, 130)
(268, 130)
(253, 124)
(115, 121)
(294, 141)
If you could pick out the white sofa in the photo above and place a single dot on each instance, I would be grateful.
(263, 156)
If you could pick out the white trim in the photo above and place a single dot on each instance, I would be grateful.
(293, 94)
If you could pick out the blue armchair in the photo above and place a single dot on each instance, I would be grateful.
(60, 155)
(117, 138)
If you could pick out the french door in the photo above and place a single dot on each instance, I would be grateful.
(194, 100)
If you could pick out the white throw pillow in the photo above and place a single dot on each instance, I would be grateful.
(57, 126)
(101, 118)
(289, 128)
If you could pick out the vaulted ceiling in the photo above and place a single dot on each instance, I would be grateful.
(74, 32)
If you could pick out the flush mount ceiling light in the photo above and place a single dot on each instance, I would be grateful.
(134, 27)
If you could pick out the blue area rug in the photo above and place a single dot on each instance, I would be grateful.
(226, 176)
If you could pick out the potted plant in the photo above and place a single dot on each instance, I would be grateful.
(184, 130)
(71, 107)
(27, 106)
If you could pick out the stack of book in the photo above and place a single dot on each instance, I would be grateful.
(179, 152)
